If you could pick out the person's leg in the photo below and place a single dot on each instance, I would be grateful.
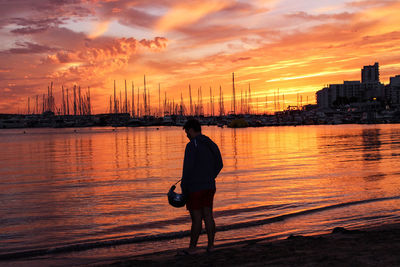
(195, 231)
(210, 225)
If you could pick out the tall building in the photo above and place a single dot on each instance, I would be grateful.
(370, 73)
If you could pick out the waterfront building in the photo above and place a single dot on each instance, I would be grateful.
(392, 91)
(353, 91)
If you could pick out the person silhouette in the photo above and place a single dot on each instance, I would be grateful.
(201, 165)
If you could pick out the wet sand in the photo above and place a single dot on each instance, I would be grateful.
(379, 246)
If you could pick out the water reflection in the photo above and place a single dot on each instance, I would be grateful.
(375, 177)
(371, 144)
(116, 152)
(235, 149)
(100, 182)
(395, 142)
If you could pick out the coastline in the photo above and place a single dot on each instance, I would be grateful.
(284, 118)
(373, 246)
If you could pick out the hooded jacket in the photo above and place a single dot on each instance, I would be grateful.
(201, 165)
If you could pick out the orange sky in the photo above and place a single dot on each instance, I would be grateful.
(294, 46)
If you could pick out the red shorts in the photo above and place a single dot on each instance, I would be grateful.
(200, 199)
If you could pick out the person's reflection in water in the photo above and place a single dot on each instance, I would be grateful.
(371, 144)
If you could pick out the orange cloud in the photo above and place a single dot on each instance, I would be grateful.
(188, 13)
(385, 19)
(100, 29)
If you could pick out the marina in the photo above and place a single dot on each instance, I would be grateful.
(308, 116)
(365, 102)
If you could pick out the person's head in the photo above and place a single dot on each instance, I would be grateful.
(192, 128)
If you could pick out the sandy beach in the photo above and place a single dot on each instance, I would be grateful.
(378, 246)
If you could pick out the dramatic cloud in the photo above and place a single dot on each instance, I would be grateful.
(96, 51)
(100, 57)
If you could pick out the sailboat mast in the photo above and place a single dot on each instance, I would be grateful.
(233, 94)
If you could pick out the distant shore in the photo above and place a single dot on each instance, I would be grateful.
(378, 246)
(285, 118)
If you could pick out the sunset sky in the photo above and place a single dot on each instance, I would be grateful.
(290, 45)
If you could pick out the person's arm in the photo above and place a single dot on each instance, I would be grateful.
(218, 159)
(188, 166)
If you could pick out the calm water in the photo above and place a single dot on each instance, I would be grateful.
(67, 190)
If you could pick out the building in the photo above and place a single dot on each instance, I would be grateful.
(395, 81)
(392, 91)
(353, 91)
(370, 73)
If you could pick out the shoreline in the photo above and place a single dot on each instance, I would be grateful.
(284, 118)
(371, 246)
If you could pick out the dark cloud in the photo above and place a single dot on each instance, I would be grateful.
(64, 2)
(61, 8)
(63, 57)
(241, 59)
(306, 16)
(61, 37)
(30, 48)
(36, 16)
(43, 8)
(240, 8)
(134, 17)
(30, 26)
(29, 30)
